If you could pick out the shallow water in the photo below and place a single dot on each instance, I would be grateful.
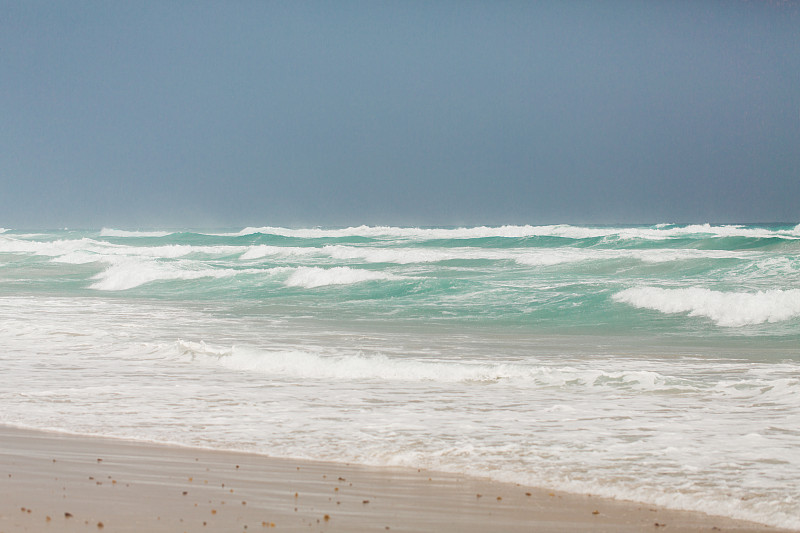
(659, 364)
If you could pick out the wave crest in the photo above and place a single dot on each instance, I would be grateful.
(729, 309)
(303, 363)
(109, 232)
(130, 273)
(658, 232)
(312, 277)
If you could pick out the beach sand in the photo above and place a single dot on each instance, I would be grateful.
(55, 482)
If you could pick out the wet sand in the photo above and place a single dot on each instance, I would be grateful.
(54, 482)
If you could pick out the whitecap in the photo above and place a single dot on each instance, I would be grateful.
(124, 275)
(729, 309)
(557, 257)
(312, 277)
(109, 232)
(264, 250)
(404, 256)
(128, 273)
(52, 248)
(659, 232)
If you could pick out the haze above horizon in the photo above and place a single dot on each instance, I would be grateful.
(316, 114)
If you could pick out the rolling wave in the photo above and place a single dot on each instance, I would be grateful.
(305, 364)
(109, 232)
(659, 232)
(313, 277)
(130, 273)
(729, 309)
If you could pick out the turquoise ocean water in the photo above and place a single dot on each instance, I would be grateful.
(654, 363)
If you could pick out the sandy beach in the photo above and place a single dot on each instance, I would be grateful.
(55, 482)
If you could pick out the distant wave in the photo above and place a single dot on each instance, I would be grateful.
(659, 232)
(52, 248)
(729, 309)
(525, 256)
(85, 250)
(390, 231)
(108, 232)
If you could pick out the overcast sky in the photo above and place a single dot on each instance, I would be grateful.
(143, 114)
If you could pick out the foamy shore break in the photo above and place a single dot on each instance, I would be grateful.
(56, 482)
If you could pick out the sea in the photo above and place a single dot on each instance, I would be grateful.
(659, 364)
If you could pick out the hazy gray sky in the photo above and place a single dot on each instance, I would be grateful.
(142, 114)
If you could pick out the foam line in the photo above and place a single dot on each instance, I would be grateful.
(659, 232)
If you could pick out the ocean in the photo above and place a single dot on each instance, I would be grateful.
(659, 364)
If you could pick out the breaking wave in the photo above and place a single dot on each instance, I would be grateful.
(130, 273)
(108, 232)
(659, 232)
(528, 256)
(729, 309)
(307, 364)
(312, 277)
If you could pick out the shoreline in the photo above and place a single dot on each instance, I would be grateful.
(63, 482)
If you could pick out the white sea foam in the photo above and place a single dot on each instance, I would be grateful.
(395, 232)
(310, 364)
(525, 256)
(78, 258)
(124, 274)
(666, 255)
(551, 257)
(660, 232)
(85, 250)
(556, 256)
(172, 251)
(263, 250)
(660, 428)
(109, 232)
(404, 256)
(52, 248)
(700, 418)
(411, 233)
(312, 277)
(730, 309)
(671, 232)
(297, 364)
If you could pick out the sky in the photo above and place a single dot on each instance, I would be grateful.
(223, 114)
